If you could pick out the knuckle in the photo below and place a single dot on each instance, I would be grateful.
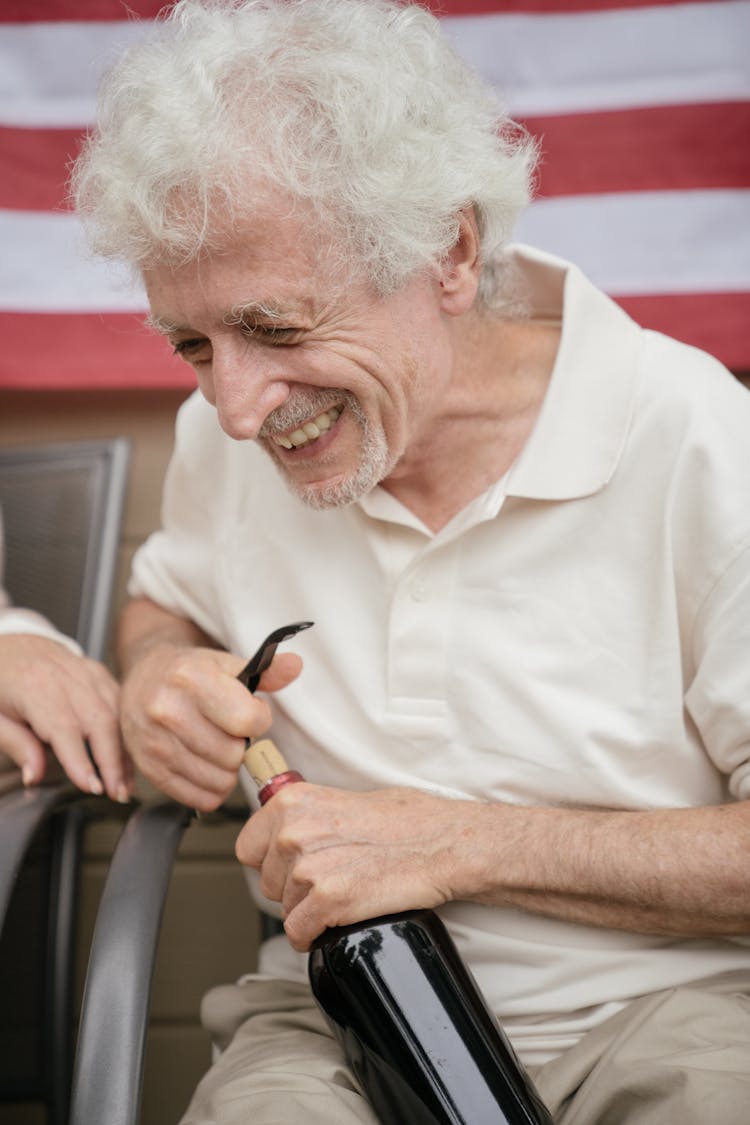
(182, 668)
(287, 842)
(289, 798)
(161, 708)
(331, 898)
(243, 851)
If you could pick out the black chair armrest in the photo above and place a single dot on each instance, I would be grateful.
(22, 812)
(108, 1073)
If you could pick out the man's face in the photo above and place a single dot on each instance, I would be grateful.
(335, 382)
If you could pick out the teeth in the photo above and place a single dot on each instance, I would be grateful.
(308, 431)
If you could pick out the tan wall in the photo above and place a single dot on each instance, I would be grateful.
(210, 931)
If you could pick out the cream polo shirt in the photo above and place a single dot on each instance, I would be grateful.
(578, 635)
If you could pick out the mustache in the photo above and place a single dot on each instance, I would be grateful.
(302, 405)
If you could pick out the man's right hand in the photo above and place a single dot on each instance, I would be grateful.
(185, 717)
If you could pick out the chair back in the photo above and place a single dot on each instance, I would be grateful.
(61, 506)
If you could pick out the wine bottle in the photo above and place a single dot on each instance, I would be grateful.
(407, 1012)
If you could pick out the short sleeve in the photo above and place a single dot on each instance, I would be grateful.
(176, 566)
(718, 699)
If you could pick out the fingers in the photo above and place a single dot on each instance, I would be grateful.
(68, 703)
(185, 718)
(81, 723)
(332, 857)
(104, 765)
(194, 763)
(271, 842)
(228, 704)
(203, 795)
(284, 668)
(24, 748)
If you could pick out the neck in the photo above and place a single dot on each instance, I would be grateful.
(501, 377)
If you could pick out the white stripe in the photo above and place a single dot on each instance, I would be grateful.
(629, 244)
(546, 63)
(44, 267)
(621, 58)
(49, 72)
(649, 242)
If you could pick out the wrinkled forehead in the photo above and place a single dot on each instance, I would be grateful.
(269, 232)
(276, 268)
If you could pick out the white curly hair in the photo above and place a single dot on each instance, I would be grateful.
(360, 108)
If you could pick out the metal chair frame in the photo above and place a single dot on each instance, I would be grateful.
(96, 473)
(111, 1049)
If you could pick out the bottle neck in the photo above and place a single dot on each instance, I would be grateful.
(277, 782)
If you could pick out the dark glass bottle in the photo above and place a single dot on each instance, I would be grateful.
(408, 1013)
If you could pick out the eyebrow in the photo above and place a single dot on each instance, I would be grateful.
(161, 325)
(247, 312)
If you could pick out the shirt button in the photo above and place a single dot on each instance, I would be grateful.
(420, 590)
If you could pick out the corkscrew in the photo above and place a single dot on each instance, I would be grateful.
(257, 664)
(263, 760)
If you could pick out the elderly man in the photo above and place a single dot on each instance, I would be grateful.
(519, 522)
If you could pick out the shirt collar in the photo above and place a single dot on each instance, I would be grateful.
(580, 433)
(578, 438)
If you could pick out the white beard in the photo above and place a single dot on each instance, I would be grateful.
(373, 465)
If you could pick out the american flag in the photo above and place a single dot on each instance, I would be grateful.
(642, 108)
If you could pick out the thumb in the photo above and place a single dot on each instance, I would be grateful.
(284, 668)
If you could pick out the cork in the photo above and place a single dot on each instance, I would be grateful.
(263, 761)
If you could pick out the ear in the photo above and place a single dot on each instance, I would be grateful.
(458, 273)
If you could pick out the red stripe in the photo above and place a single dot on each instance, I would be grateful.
(655, 149)
(48, 350)
(715, 322)
(80, 11)
(77, 351)
(658, 148)
(24, 11)
(34, 165)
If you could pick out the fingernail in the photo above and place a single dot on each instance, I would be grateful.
(123, 796)
(27, 775)
(95, 785)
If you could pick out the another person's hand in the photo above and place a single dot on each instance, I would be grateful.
(333, 857)
(52, 698)
(185, 717)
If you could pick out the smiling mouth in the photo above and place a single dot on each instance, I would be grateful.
(308, 432)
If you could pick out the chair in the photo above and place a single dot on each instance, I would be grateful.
(111, 1047)
(62, 510)
(62, 507)
(110, 1054)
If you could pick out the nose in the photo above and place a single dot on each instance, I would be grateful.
(244, 386)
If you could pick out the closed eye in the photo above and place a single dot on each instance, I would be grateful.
(187, 349)
(271, 333)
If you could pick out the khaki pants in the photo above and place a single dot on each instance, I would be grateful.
(680, 1056)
